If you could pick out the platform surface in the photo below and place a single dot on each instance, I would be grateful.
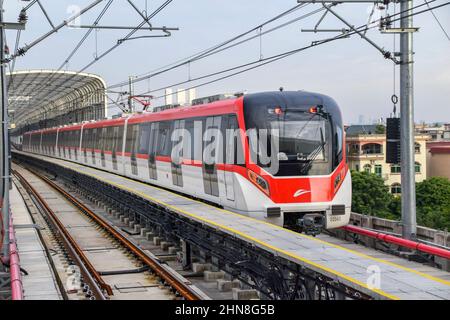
(40, 283)
(373, 272)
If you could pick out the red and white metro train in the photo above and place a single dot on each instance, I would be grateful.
(303, 183)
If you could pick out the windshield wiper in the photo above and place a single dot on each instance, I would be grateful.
(313, 155)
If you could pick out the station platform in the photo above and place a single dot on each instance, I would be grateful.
(377, 274)
(40, 283)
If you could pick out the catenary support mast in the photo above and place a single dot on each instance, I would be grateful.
(407, 122)
(406, 31)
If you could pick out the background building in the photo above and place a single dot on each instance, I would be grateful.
(438, 159)
(366, 151)
(438, 132)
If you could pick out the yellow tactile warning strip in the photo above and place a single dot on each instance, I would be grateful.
(248, 237)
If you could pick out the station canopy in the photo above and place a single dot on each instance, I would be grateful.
(45, 98)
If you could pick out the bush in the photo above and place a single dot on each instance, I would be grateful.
(433, 203)
(370, 195)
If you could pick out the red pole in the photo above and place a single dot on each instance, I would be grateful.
(14, 266)
(435, 251)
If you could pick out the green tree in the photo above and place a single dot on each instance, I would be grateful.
(433, 203)
(370, 195)
(380, 129)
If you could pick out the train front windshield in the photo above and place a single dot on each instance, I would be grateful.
(294, 140)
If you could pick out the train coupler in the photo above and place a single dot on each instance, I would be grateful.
(311, 224)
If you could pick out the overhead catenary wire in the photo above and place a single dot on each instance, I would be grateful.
(27, 47)
(288, 53)
(77, 46)
(221, 47)
(276, 57)
(437, 20)
(209, 51)
(96, 59)
(281, 55)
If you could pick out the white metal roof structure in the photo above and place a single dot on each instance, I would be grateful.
(47, 98)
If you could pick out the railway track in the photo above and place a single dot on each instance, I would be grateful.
(110, 266)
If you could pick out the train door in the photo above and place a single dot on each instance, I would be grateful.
(125, 147)
(230, 143)
(58, 142)
(134, 144)
(84, 140)
(64, 142)
(76, 143)
(69, 143)
(103, 139)
(152, 148)
(54, 138)
(211, 147)
(177, 175)
(93, 144)
(115, 139)
(40, 150)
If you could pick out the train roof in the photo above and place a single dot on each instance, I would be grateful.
(299, 98)
(254, 100)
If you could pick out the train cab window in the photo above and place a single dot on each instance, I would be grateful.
(339, 145)
(304, 139)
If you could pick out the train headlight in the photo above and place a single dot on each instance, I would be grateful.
(259, 181)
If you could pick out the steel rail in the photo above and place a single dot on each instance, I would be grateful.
(90, 274)
(154, 264)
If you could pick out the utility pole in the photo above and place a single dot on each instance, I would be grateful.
(130, 94)
(5, 155)
(4, 148)
(407, 129)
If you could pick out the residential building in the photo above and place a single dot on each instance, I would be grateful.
(438, 159)
(439, 132)
(366, 151)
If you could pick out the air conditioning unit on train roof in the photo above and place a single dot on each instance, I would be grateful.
(166, 107)
(217, 97)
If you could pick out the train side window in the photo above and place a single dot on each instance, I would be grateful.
(144, 138)
(164, 139)
(89, 138)
(232, 135)
(109, 134)
(94, 139)
(199, 130)
(129, 138)
(135, 138)
(154, 136)
(78, 136)
(189, 127)
(99, 140)
(119, 142)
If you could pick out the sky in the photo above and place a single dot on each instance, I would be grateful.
(349, 70)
